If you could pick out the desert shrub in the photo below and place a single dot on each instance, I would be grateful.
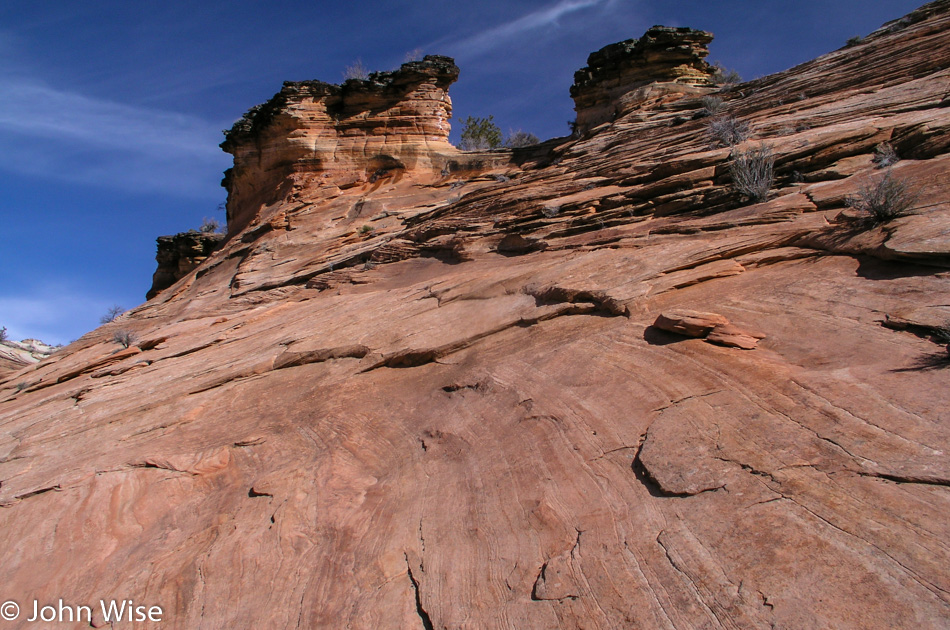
(356, 70)
(854, 41)
(753, 172)
(885, 155)
(712, 106)
(413, 55)
(479, 134)
(113, 312)
(124, 338)
(884, 200)
(521, 138)
(3, 333)
(728, 131)
(366, 229)
(723, 76)
(210, 226)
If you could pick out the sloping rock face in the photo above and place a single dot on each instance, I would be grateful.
(414, 426)
(180, 254)
(659, 67)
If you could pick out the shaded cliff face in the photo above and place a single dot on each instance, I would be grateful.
(180, 254)
(470, 413)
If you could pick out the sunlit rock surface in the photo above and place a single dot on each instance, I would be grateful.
(442, 402)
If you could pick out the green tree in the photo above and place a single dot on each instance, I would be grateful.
(479, 134)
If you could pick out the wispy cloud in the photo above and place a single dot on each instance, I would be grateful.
(486, 40)
(63, 134)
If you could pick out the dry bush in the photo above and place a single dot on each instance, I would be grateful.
(885, 155)
(480, 134)
(111, 315)
(753, 172)
(728, 131)
(712, 106)
(356, 70)
(210, 226)
(124, 338)
(723, 76)
(517, 139)
(884, 200)
(3, 333)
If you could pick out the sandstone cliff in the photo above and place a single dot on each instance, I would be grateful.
(428, 401)
(664, 64)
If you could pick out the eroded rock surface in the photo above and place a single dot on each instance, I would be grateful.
(434, 423)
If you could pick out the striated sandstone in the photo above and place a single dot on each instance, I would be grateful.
(660, 67)
(16, 355)
(314, 134)
(437, 424)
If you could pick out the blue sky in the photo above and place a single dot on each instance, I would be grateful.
(111, 111)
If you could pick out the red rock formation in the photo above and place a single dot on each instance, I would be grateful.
(315, 134)
(432, 423)
(661, 66)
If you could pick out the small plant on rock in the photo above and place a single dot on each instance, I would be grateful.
(723, 76)
(210, 226)
(110, 316)
(884, 200)
(885, 155)
(124, 338)
(480, 134)
(728, 131)
(517, 139)
(712, 106)
(3, 333)
(753, 172)
(366, 229)
(356, 70)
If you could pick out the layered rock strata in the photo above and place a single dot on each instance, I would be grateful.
(16, 355)
(443, 404)
(661, 66)
(385, 127)
(180, 254)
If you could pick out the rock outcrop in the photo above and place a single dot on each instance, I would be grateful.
(441, 403)
(660, 67)
(314, 134)
(180, 254)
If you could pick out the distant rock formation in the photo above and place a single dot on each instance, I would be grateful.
(178, 255)
(16, 355)
(663, 65)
